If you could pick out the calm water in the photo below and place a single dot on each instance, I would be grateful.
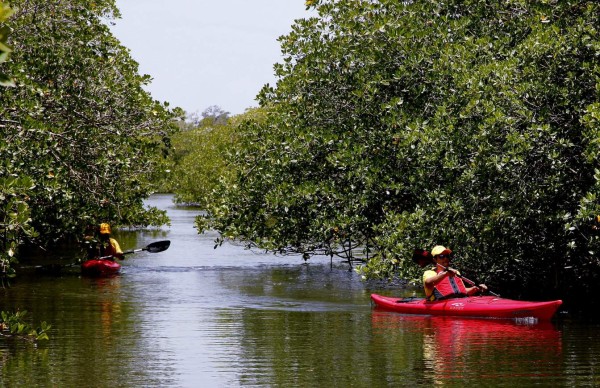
(193, 316)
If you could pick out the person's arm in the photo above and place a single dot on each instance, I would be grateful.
(118, 253)
(433, 280)
(475, 289)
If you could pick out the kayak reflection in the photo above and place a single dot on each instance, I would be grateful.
(108, 302)
(458, 348)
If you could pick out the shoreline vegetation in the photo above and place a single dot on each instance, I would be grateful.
(392, 126)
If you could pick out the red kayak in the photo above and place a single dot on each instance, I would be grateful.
(474, 306)
(100, 267)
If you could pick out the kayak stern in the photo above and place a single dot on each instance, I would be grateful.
(100, 268)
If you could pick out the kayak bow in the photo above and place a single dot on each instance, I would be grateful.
(474, 306)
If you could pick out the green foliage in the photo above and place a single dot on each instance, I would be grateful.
(5, 12)
(397, 125)
(199, 162)
(14, 221)
(78, 124)
(13, 324)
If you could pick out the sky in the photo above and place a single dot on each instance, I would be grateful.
(202, 53)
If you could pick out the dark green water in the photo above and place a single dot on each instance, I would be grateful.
(193, 316)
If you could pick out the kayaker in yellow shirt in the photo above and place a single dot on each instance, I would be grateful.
(108, 245)
(443, 282)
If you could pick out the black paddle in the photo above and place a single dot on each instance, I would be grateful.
(422, 258)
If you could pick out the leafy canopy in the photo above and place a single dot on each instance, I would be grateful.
(397, 125)
(81, 137)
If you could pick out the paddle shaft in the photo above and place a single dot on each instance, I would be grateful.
(155, 247)
(134, 251)
(111, 257)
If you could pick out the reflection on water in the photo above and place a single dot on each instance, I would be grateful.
(459, 349)
(195, 316)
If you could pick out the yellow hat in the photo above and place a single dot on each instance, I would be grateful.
(440, 250)
(104, 228)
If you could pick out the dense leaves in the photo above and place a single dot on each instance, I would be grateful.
(80, 135)
(397, 125)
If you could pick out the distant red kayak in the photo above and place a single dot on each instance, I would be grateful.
(474, 306)
(96, 267)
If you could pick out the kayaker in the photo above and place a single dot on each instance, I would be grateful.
(108, 245)
(90, 240)
(443, 282)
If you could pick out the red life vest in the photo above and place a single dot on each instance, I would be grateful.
(449, 287)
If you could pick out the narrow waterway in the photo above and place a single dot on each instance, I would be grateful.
(194, 316)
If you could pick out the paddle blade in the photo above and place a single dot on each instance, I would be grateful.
(158, 246)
